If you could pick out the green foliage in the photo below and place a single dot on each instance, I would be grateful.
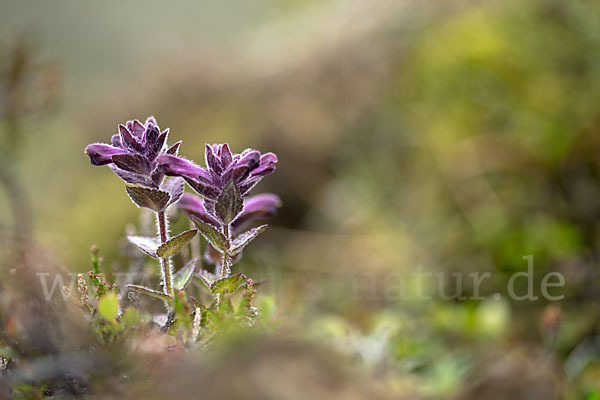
(173, 245)
(108, 307)
(183, 277)
(152, 199)
(211, 234)
(229, 284)
(243, 239)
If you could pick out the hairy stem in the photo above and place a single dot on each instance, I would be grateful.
(165, 263)
(225, 267)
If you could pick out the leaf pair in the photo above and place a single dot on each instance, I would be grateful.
(228, 285)
(154, 249)
(181, 280)
(220, 242)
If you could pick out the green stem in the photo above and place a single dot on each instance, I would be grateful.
(225, 267)
(165, 263)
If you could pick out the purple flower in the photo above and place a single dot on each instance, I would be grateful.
(133, 152)
(225, 172)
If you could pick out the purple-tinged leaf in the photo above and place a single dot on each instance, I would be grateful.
(207, 190)
(130, 177)
(211, 160)
(243, 239)
(183, 277)
(154, 148)
(153, 199)
(228, 285)
(136, 128)
(173, 150)
(146, 244)
(248, 184)
(211, 234)
(173, 245)
(132, 163)
(225, 155)
(128, 140)
(149, 292)
(150, 120)
(229, 204)
(175, 187)
(102, 154)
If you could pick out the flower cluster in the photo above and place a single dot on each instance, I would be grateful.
(226, 172)
(134, 152)
(139, 155)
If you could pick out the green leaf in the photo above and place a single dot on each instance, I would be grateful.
(131, 317)
(149, 292)
(153, 199)
(146, 244)
(183, 277)
(211, 234)
(208, 315)
(228, 285)
(243, 239)
(173, 245)
(229, 204)
(108, 307)
(207, 278)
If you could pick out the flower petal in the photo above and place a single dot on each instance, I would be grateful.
(178, 166)
(101, 154)
(267, 165)
(192, 205)
(257, 207)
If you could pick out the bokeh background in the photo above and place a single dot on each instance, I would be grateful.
(452, 136)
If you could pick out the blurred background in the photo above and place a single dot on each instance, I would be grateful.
(451, 137)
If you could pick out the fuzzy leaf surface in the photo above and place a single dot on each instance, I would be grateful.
(211, 234)
(229, 285)
(244, 238)
(149, 292)
(173, 245)
(229, 204)
(183, 277)
(146, 244)
(153, 199)
(175, 187)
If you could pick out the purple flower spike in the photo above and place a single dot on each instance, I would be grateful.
(134, 152)
(227, 176)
